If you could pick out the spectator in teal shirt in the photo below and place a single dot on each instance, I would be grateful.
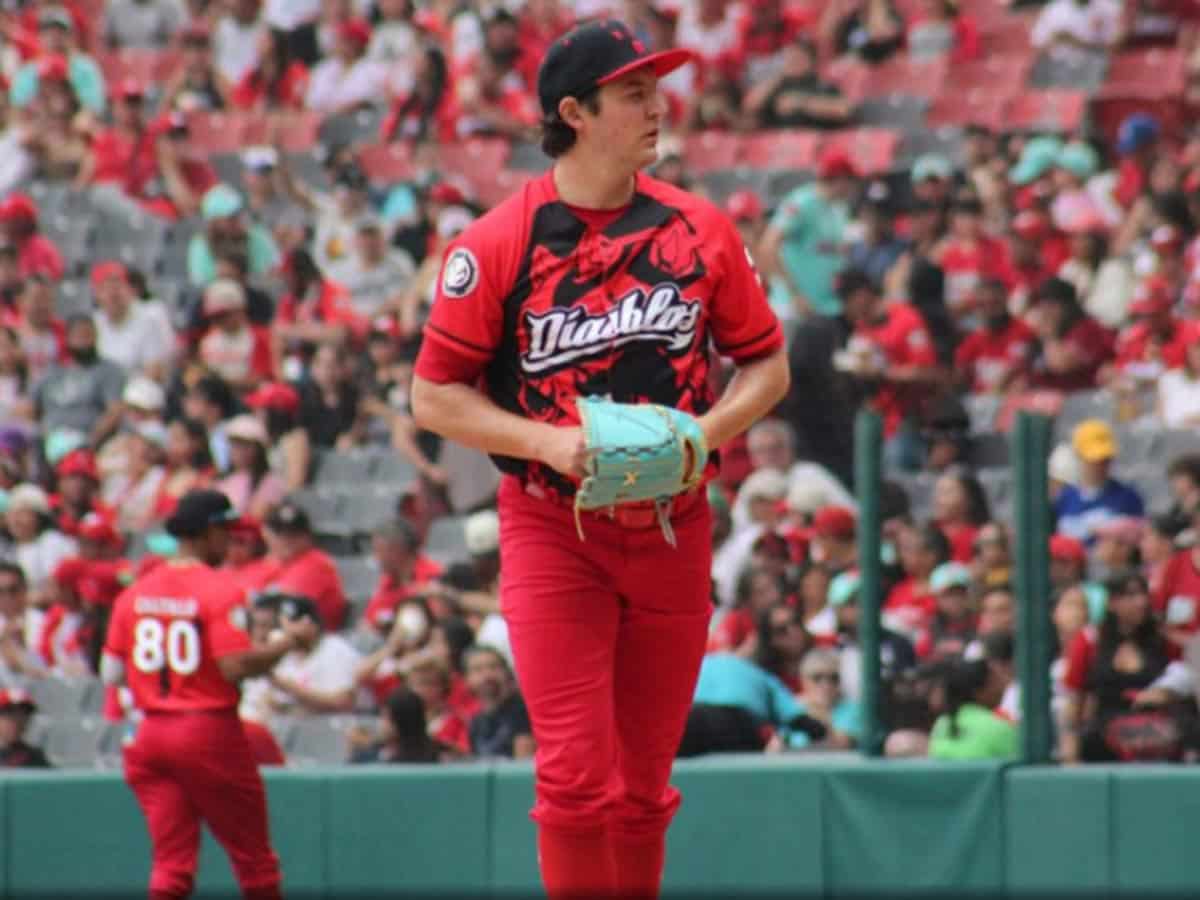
(225, 230)
(822, 699)
(804, 245)
(56, 34)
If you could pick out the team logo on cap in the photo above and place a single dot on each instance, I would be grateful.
(461, 274)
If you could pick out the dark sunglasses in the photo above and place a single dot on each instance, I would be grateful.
(828, 677)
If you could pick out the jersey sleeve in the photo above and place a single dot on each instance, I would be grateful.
(743, 325)
(467, 318)
(226, 622)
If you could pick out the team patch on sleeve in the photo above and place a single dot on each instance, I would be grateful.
(460, 274)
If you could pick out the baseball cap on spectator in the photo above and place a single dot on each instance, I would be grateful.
(247, 525)
(220, 202)
(298, 606)
(29, 496)
(260, 159)
(247, 428)
(453, 221)
(743, 206)
(222, 296)
(1151, 297)
(1135, 132)
(274, 395)
(1064, 464)
(948, 576)
(1094, 441)
(836, 522)
(1067, 549)
(356, 30)
(55, 17)
(1078, 158)
(594, 54)
(97, 528)
(1125, 529)
(931, 165)
(18, 206)
(763, 484)
(197, 511)
(16, 700)
(834, 162)
(129, 89)
(53, 67)
(288, 518)
(78, 462)
(806, 497)
(482, 532)
(1166, 237)
(446, 193)
(108, 270)
(1038, 157)
(1030, 225)
(843, 588)
(144, 393)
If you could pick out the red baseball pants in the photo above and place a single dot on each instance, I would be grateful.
(188, 767)
(607, 634)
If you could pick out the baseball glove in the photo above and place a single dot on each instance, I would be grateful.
(638, 452)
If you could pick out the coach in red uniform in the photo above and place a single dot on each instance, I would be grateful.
(597, 280)
(178, 637)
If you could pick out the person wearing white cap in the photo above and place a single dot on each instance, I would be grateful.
(37, 546)
(250, 485)
(131, 487)
(233, 348)
(760, 495)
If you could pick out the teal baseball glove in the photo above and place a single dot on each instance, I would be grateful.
(636, 453)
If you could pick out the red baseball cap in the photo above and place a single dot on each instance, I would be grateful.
(834, 522)
(53, 67)
(1030, 224)
(107, 270)
(129, 88)
(1152, 297)
(246, 525)
(447, 193)
(18, 206)
(743, 205)
(69, 572)
(15, 698)
(274, 395)
(835, 162)
(1067, 549)
(97, 528)
(355, 30)
(78, 462)
(1166, 237)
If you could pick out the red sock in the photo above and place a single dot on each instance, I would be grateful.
(639, 866)
(576, 865)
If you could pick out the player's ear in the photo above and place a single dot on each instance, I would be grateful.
(570, 110)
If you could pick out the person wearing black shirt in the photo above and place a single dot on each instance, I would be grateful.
(16, 708)
(502, 727)
(329, 400)
(796, 97)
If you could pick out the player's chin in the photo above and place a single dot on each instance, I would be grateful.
(647, 155)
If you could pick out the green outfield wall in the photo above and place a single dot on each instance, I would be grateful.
(795, 827)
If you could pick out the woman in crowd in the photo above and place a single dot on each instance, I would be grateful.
(277, 406)
(250, 485)
(758, 591)
(196, 84)
(14, 378)
(314, 311)
(34, 544)
(133, 489)
(188, 464)
(960, 508)
(1072, 346)
(329, 401)
(1129, 653)
(403, 734)
(782, 643)
(277, 82)
(969, 727)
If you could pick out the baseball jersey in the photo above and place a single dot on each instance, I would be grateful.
(170, 628)
(550, 303)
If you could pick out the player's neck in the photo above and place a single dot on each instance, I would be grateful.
(592, 183)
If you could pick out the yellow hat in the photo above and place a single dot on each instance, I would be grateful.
(1094, 441)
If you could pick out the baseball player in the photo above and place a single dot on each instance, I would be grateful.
(177, 637)
(598, 281)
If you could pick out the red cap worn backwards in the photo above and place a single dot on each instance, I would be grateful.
(594, 54)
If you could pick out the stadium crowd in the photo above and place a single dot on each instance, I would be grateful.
(222, 222)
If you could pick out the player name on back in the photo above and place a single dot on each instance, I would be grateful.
(561, 336)
(167, 606)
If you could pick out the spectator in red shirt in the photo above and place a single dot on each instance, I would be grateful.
(1035, 253)
(188, 463)
(231, 347)
(494, 101)
(36, 254)
(1177, 597)
(1156, 340)
(1068, 561)
(315, 311)
(540, 23)
(277, 82)
(992, 355)
(42, 334)
(967, 256)
(893, 356)
(404, 572)
(912, 602)
(1071, 347)
(833, 543)
(304, 569)
(960, 509)
(124, 153)
(78, 482)
(430, 680)
(427, 110)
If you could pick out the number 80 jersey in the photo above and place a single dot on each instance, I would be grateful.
(169, 628)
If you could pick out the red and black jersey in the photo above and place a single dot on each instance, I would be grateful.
(550, 303)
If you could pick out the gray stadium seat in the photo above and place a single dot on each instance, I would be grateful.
(1084, 405)
(340, 467)
(989, 450)
(309, 169)
(997, 484)
(317, 740)
(981, 410)
(722, 183)
(57, 696)
(948, 141)
(74, 298)
(897, 111)
(1176, 443)
(229, 168)
(393, 470)
(359, 575)
(446, 541)
(1087, 75)
(74, 743)
(364, 511)
(357, 127)
(919, 487)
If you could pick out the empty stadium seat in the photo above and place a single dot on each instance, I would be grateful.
(1086, 74)
(1051, 110)
(392, 471)
(317, 740)
(296, 131)
(336, 467)
(525, 156)
(783, 182)
(348, 128)
(1155, 71)
(359, 575)
(979, 107)
(708, 151)
(790, 149)
(893, 111)
(74, 299)
(1083, 405)
(1173, 443)
(58, 696)
(446, 541)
